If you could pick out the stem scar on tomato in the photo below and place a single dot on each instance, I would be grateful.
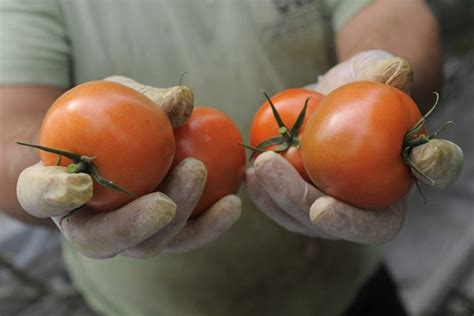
(413, 139)
(287, 136)
(81, 164)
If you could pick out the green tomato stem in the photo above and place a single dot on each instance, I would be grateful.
(287, 137)
(81, 164)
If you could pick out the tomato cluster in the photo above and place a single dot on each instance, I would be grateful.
(127, 143)
(350, 145)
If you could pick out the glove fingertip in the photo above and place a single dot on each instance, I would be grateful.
(192, 166)
(321, 206)
(165, 208)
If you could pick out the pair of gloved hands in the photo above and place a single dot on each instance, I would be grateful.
(158, 222)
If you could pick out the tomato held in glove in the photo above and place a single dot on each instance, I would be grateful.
(131, 139)
(352, 145)
(289, 104)
(211, 137)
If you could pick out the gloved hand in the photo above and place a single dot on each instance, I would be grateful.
(281, 193)
(154, 223)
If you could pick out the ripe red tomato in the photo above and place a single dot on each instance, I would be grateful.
(211, 137)
(289, 104)
(132, 139)
(351, 146)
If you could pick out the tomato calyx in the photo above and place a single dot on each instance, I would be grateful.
(288, 137)
(81, 164)
(413, 139)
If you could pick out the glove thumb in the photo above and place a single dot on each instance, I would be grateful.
(372, 65)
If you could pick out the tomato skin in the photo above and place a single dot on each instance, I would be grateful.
(211, 137)
(289, 104)
(132, 140)
(352, 145)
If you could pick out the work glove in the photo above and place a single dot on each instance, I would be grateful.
(284, 196)
(155, 223)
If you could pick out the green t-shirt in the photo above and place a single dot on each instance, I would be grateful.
(231, 49)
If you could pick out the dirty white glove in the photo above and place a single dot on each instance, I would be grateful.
(281, 193)
(374, 65)
(155, 223)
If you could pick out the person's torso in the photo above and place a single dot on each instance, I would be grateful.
(231, 51)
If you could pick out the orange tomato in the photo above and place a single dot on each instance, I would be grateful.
(351, 146)
(289, 104)
(132, 139)
(211, 137)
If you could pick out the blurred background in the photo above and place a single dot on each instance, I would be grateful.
(432, 259)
